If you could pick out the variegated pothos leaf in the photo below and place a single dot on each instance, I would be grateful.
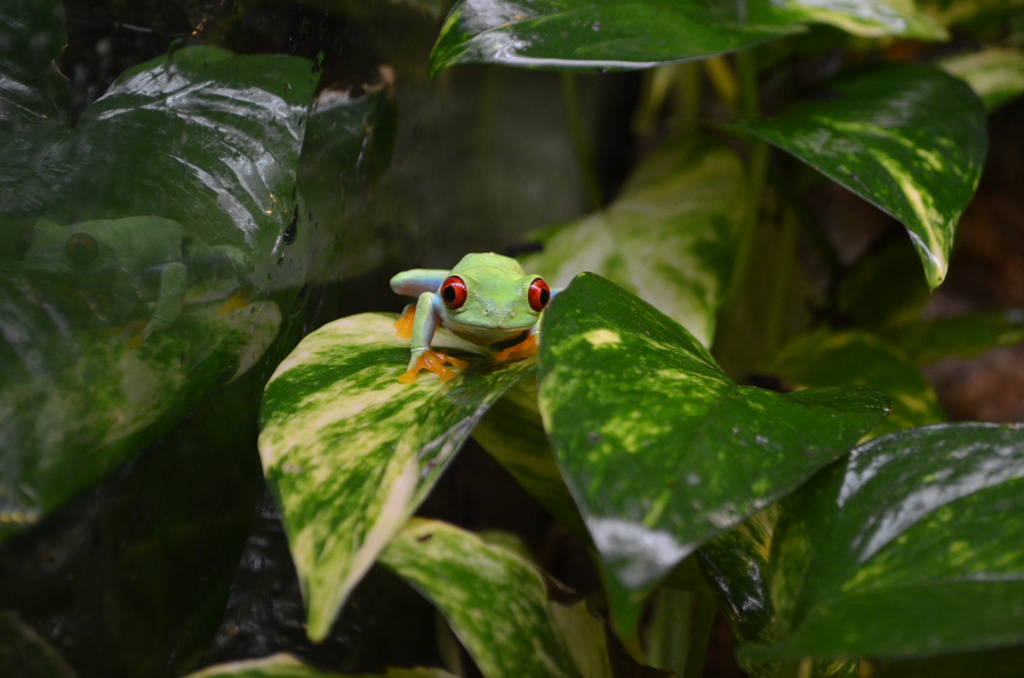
(495, 601)
(660, 449)
(350, 452)
(909, 139)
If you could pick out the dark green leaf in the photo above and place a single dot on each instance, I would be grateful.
(858, 358)
(910, 547)
(495, 601)
(350, 452)
(598, 35)
(909, 139)
(661, 450)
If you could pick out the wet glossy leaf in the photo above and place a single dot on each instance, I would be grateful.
(661, 450)
(74, 407)
(911, 546)
(286, 666)
(495, 601)
(587, 36)
(866, 18)
(909, 139)
(735, 564)
(350, 452)
(151, 226)
(927, 341)
(858, 358)
(995, 74)
(670, 237)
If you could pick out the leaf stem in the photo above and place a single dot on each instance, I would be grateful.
(678, 636)
(584, 153)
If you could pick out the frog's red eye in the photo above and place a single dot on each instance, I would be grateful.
(81, 249)
(539, 294)
(453, 292)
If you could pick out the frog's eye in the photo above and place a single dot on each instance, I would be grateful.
(539, 294)
(81, 249)
(453, 292)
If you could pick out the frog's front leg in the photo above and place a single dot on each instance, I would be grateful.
(421, 356)
(171, 289)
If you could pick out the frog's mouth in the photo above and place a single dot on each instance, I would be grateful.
(487, 335)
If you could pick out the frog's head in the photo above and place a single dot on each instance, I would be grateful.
(488, 308)
(61, 249)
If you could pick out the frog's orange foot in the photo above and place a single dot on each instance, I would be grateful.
(404, 323)
(526, 347)
(435, 362)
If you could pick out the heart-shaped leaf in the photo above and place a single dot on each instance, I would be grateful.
(670, 237)
(350, 452)
(909, 139)
(911, 546)
(661, 450)
(587, 36)
(495, 601)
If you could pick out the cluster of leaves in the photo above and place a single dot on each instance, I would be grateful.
(822, 552)
(819, 545)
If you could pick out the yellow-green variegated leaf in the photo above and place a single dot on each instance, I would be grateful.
(909, 139)
(669, 237)
(350, 452)
(286, 666)
(866, 18)
(859, 358)
(995, 74)
(495, 601)
(660, 449)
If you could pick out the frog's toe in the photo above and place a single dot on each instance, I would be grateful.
(434, 362)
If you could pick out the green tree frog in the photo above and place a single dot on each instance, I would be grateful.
(485, 299)
(146, 258)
